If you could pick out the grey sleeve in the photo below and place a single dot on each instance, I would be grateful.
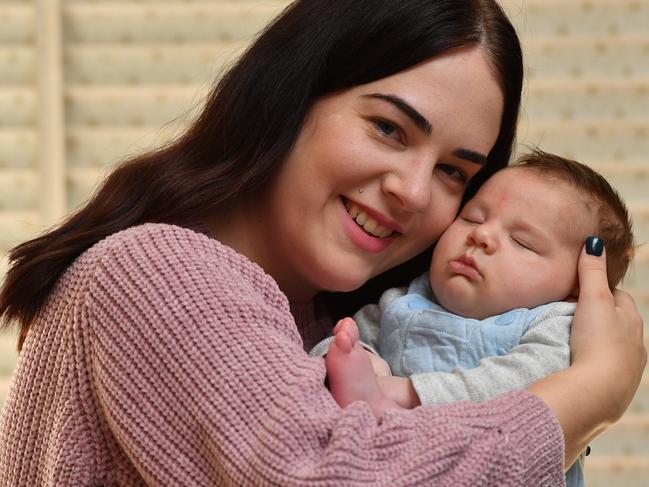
(543, 349)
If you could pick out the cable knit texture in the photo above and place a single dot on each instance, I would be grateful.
(163, 357)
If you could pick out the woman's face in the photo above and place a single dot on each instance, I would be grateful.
(376, 175)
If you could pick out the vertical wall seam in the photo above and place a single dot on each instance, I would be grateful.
(51, 117)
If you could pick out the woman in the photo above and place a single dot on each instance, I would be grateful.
(167, 354)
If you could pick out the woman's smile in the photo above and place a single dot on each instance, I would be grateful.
(363, 227)
(373, 222)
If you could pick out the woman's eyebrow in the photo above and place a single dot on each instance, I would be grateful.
(425, 126)
(418, 119)
(470, 156)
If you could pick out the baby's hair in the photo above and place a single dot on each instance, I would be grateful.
(613, 221)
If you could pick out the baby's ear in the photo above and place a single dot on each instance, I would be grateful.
(574, 293)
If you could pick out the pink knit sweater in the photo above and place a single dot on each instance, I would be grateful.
(165, 358)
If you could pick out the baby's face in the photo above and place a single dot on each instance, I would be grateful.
(514, 245)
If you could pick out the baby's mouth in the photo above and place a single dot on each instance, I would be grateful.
(368, 224)
(467, 266)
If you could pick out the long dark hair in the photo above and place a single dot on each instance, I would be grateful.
(253, 116)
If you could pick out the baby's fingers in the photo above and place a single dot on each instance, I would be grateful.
(349, 325)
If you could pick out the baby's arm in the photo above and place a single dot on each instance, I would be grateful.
(399, 390)
(543, 349)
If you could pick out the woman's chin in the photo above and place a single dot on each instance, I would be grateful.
(340, 272)
(341, 284)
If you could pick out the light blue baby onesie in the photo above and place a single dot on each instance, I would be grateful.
(416, 336)
(450, 358)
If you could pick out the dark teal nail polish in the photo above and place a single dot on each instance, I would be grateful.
(594, 246)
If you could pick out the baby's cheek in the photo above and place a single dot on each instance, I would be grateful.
(513, 293)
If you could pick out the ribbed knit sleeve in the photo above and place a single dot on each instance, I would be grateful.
(201, 379)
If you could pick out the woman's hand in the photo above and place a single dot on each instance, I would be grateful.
(606, 339)
(608, 358)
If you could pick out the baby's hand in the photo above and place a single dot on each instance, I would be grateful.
(350, 372)
(380, 366)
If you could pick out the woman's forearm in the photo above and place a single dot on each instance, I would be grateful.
(579, 406)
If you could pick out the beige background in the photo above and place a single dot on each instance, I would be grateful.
(85, 83)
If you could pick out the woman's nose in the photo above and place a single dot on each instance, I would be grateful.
(482, 236)
(411, 187)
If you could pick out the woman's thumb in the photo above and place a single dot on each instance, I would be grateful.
(593, 283)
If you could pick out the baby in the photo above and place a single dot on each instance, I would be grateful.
(494, 312)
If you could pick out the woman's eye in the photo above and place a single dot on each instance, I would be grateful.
(453, 173)
(388, 129)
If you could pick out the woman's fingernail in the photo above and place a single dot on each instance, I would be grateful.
(594, 246)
